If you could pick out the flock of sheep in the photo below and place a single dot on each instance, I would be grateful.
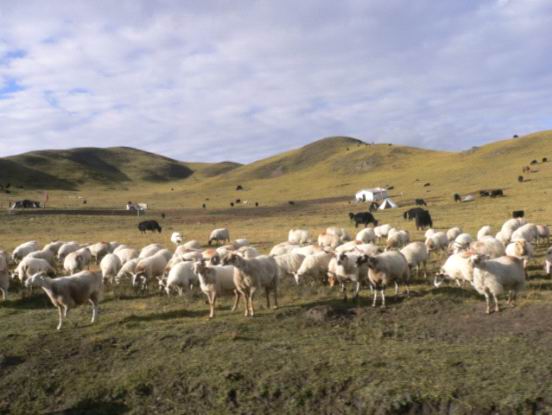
(379, 257)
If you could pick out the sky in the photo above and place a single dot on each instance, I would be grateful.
(240, 80)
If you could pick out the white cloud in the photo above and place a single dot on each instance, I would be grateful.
(217, 80)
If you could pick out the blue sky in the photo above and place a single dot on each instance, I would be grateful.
(241, 80)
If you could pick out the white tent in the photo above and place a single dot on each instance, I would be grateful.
(388, 204)
(371, 195)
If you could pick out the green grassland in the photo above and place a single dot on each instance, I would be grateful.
(433, 352)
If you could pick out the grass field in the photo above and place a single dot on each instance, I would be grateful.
(433, 352)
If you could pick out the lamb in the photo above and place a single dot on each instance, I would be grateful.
(45, 254)
(381, 231)
(30, 266)
(328, 241)
(452, 233)
(110, 266)
(344, 269)
(520, 249)
(67, 248)
(149, 268)
(219, 235)
(397, 239)
(21, 251)
(384, 269)
(313, 265)
(495, 276)
(253, 274)
(282, 248)
(456, 268)
(416, 256)
(150, 250)
(436, 242)
(53, 247)
(527, 232)
(366, 235)
(127, 270)
(339, 232)
(99, 250)
(484, 231)
(181, 276)
(176, 238)
(288, 264)
(543, 233)
(489, 246)
(4, 275)
(214, 282)
(126, 254)
(298, 236)
(70, 292)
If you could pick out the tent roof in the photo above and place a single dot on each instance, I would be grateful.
(387, 204)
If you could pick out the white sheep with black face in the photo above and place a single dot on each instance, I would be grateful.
(177, 238)
(456, 268)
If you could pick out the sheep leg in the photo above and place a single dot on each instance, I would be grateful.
(396, 288)
(275, 293)
(382, 297)
(60, 314)
(211, 297)
(497, 309)
(3, 294)
(180, 291)
(267, 294)
(357, 289)
(94, 310)
(251, 310)
(487, 300)
(374, 302)
(236, 300)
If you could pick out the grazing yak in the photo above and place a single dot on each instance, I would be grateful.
(149, 225)
(364, 218)
(420, 202)
(423, 220)
(411, 213)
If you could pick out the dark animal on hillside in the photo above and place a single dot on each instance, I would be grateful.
(520, 179)
(163, 215)
(544, 159)
(363, 218)
(518, 214)
(84, 202)
(423, 220)
(373, 207)
(291, 202)
(457, 197)
(427, 184)
(232, 204)
(533, 162)
(411, 213)
(239, 187)
(204, 206)
(351, 216)
(420, 202)
(390, 187)
(149, 225)
(238, 200)
(526, 169)
(516, 136)
(25, 204)
(484, 193)
(256, 204)
(497, 192)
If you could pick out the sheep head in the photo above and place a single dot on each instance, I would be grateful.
(36, 280)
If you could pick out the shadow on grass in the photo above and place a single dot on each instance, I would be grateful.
(33, 302)
(89, 406)
(169, 315)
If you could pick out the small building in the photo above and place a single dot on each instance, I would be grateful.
(371, 195)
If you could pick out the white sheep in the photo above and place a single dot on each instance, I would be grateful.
(70, 292)
(21, 251)
(366, 235)
(193, 244)
(4, 275)
(520, 249)
(30, 266)
(452, 233)
(367, 249)
(436, 242)
(45, 254)
(225, 249)
(488, 245)
(214, 282)
(288, 264)
(543, 234)
(67, 248)
(110, 265)
(308, 249)
(181, 277)
(282, 248)
(456, 268)
(347, 247)
(248, 252)
(384, 269)
(150, 268)
(484, 231)
(344, 268)
(339, 232)
(219, 235)
(126, 254)
(53, 246)
(508, 228)
(315, 266)
(113, 245)
(86, 256)
(397, 239)
(527, 232)
(73, 263)
(416, 256)
(240, 243)
(253, 274)
(548, 262)
(127, 270)
(495, 276)
(176, 238)
(429, 232)
(150, 250)
(381, 231)
(328, 241)
(298, 236)
(211, 256)
(99, 250)
(119, 247)
(461, 243)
